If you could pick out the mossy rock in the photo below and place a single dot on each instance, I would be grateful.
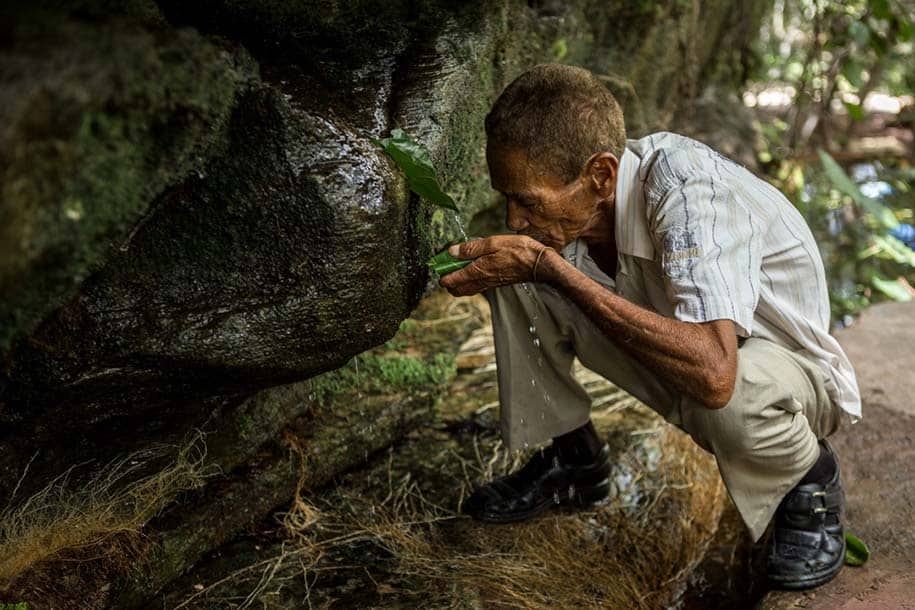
(98, 121)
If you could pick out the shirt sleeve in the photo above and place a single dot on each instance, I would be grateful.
(707, 241)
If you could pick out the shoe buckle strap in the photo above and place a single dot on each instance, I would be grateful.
(819, 509)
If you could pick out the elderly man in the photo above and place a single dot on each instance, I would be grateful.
(682, 278)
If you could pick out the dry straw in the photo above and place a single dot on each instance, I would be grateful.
(64, 521)
(610, 556)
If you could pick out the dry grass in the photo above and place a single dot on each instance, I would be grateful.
(610, 556)
(101, 519)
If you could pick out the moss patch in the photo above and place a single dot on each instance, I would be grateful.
(98, 120)
(375, 374)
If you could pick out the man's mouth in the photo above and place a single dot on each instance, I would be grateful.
(536, 235)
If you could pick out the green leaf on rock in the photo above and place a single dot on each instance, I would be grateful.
(856, 552)
(443, 263)
(414, 161)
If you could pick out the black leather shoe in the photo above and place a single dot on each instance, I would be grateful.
(545, 482)
(807, 547)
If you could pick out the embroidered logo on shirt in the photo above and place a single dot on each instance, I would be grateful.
(680, 251)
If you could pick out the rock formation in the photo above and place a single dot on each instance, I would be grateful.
(193, 211)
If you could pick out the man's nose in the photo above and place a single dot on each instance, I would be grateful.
(515, 216)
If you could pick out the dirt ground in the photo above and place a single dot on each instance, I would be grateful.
(877, 457)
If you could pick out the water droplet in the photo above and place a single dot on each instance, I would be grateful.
(527, 290)
(571, 491)
(522, 421)
(556, 496)
(532, 329)
(536, 342)
(533, 382)
(542, 416)
(526, 444)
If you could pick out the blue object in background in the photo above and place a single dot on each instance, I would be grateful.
(905, 233)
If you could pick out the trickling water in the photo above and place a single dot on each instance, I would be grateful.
(460, 226)
(556, 496)
(530, 295)
(532, 329)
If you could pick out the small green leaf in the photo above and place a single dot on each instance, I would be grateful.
(853, 71)
(414, 161)
(855, 111)
(856, 552)
(841, 181)
(443, 263)
(906, 29)
(881, 9)
(887, 246)
(891, 288)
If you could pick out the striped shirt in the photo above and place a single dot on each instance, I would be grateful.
(700, 238)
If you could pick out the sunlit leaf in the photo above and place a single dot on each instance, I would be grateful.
(855, 111)
(856, 552)
(881, 9)
(414, 161)
(891, 288)
(890, 247)
(906, 29)
(853, 71)
(443, 263)
(796, 179)
(841, 181)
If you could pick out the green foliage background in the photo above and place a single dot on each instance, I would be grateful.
(828, 57)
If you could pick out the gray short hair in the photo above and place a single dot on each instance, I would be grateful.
(559, 115)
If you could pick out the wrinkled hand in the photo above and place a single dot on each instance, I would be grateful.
(500, 260)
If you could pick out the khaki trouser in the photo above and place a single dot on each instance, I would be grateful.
(764, 439)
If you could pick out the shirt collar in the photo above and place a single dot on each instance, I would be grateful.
(631, 230)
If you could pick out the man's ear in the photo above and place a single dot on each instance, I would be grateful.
(600, 171)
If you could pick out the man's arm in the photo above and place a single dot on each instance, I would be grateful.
(697, 358)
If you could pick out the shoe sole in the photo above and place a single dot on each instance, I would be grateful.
(580, 498)
(814, 580)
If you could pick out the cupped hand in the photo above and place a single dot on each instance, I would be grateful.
(499, 260)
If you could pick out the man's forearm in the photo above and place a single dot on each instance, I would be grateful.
(695, 358)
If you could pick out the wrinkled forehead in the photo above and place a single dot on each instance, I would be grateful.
(511, 169)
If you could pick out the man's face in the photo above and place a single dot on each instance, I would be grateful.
(540, 204)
